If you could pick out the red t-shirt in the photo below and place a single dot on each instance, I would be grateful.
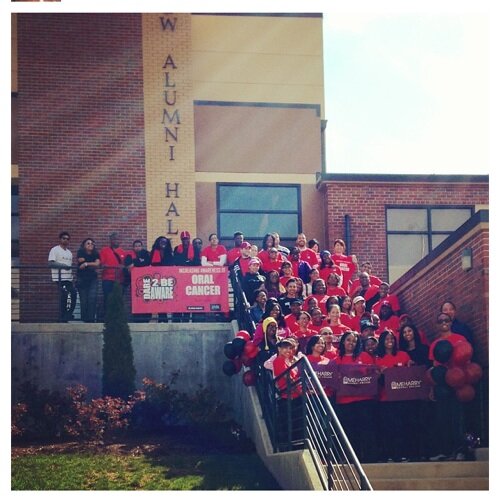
(321, 301)
(356, 283)
(269, 265)
(338, 331)
(291, 322)
(213, 254)
(108, 258)
(392, 299)
(392, 324)
(335, 290)
(281, 364)
(310, 256)
(326, 271)
(232, 255)
(347, 267)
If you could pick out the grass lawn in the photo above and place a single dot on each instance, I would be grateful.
(172, 461)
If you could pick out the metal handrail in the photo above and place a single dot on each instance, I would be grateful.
(335, 461)
(35, 298)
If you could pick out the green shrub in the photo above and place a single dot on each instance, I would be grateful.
(118, 372)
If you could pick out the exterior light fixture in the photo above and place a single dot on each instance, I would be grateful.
(467, 259)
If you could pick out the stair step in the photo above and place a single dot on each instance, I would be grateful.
(456, 483)
(428, 470)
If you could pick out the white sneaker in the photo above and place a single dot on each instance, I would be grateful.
(460, 457)
(437, 458)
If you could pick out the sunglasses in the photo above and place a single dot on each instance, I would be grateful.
(443, 321)
(65, 238)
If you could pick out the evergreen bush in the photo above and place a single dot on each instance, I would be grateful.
(118, 371)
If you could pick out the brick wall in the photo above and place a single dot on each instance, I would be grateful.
(365, 203)
(81, 132)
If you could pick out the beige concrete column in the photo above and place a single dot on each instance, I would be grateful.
(168, 125)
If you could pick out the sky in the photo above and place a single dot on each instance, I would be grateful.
(407, 93)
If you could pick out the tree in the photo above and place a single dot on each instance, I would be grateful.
(118, 371)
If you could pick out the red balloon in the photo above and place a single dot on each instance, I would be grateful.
(238, 363)
(473, 373)
(249, 378)
(243, 334)
(462, 353)
(246, 360)
(250, 349)
(465, 393)
(455, 377)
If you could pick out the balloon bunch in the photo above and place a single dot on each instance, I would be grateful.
(457, 372)
(241, 351)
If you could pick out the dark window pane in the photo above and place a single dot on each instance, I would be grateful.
(255, 226)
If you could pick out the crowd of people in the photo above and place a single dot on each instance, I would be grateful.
(304, 301)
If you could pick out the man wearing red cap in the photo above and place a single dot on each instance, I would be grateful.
(184, 253)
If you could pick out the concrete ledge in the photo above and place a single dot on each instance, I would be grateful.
(57, 355)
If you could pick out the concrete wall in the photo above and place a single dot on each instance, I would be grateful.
(55, 356)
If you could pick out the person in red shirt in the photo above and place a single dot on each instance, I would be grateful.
(273, 261)
(370, 345)
(368, 291)
(214, 254)
(346, 263)
(286, 272)
(318, 321)
(292, 318)
(241, 264)
(449, 412)
(393, 414)
(327, 266)
(112, 260)
(334, 322)
(306, 254)
(289, 388)
(302, 330)
(383, 291)
(359, 306)
(319, 293)
(315, 350)
(267, 242)
(235, 252)
(365, 267)
(388, 320)
(331, 352)
(333, 286)
(346, 311)
(357, 414)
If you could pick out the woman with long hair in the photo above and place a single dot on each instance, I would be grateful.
(357, 414)
(86, 279)
(161, 252)
(392, 414)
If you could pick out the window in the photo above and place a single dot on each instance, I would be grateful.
(257, 209)
(413, 232)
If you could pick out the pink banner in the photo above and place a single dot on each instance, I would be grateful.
(404, 383)
(357, 380)
(168, 289)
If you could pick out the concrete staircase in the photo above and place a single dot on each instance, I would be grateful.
(430, 475)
